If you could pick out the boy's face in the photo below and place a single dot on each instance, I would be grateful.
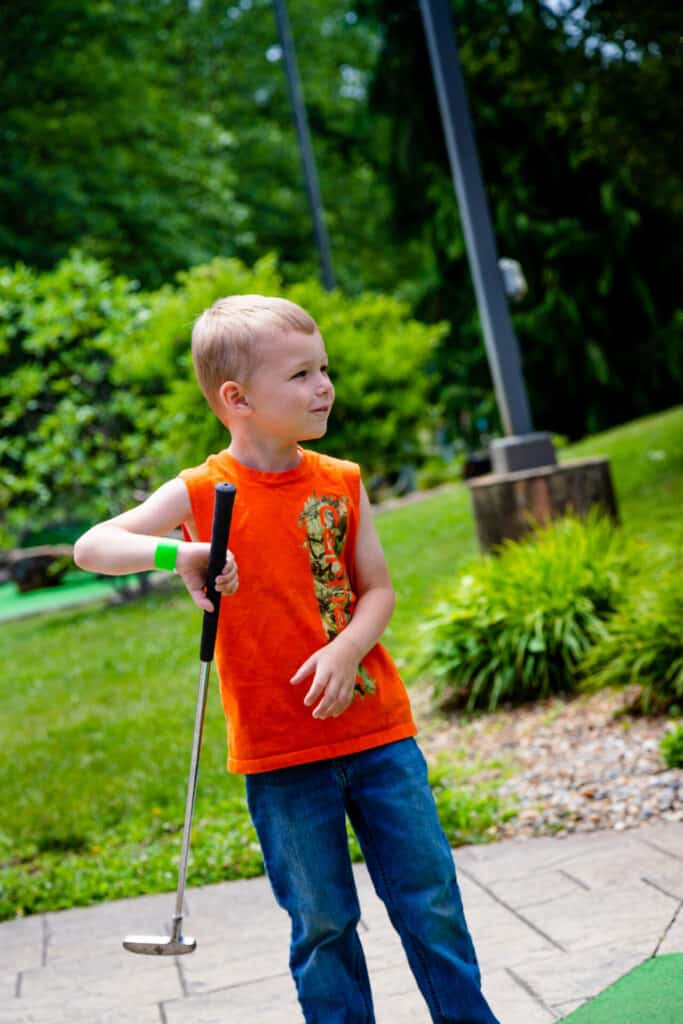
(290, 394)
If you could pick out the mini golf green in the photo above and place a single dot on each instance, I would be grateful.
(76, 588)
(651, 993)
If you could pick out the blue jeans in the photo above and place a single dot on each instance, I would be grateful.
(299, 814)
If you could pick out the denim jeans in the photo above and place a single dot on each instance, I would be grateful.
(299, 814)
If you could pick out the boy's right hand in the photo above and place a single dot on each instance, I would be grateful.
(192, 564)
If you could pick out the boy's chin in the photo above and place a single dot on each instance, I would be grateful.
(313, 435)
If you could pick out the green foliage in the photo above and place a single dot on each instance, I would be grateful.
(671, 747)
(141, 858)
(437, 470)
(643, 645)
(68, 448)
(158, 134)
(98, 148)
(515, 627)
(466, 795)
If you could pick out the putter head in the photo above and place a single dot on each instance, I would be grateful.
(160, 945)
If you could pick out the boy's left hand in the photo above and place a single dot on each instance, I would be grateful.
(334, 669)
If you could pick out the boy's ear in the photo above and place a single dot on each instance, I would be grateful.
(233, 397)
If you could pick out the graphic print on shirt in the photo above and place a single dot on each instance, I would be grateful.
(326, 520)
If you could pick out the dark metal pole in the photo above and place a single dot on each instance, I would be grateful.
(304, 139)
(499, 337)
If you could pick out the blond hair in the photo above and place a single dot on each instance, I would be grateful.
(225, 337)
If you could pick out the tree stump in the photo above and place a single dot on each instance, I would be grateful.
(37, 567)
(507, 505)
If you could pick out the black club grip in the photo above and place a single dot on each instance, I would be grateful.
(220, 533)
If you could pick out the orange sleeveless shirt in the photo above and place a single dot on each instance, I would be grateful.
(293, 535)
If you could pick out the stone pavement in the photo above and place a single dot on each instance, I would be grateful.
(555, 921)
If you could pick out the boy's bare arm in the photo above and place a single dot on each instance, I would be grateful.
(127, 543)
(335, 666)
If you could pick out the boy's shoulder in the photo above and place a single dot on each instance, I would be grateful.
(333, 465)
(214, 469)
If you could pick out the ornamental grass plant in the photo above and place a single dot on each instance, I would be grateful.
(515, 627)
(643, 646)
(671, 747)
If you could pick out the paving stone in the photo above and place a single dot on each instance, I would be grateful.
(268, 1001)
(621, 863)
(502, 934)
(54, 1013)
(580, 975)
(395, 980)
(101, 984)
(250, 899)
(673, 940)
(8, 985)
(667, 836)
(98, 930)
(22, 943)
(214, 969)
(543, 887)
(511, 1002)
(523, 858)
(615, 915)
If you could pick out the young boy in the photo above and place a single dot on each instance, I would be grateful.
(318, 719)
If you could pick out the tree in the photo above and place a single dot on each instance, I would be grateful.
(95, 150)
(602, 325)
(157, 134)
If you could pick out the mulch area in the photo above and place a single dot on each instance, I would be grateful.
(580, 764)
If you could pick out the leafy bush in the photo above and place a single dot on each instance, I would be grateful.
(437, 470)
(515, 627)
(68, 446)
(643, 645)
(671, 747)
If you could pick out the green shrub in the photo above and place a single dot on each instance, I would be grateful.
(516, 625)
(671, 747)
(643, 645)
(68, 444)
(437, 470)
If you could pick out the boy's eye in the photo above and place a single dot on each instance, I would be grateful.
(301, 373)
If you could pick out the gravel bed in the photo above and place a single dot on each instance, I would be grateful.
(579, 764)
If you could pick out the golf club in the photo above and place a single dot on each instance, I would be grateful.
(176, 943)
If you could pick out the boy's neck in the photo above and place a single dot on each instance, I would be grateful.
(267, 456)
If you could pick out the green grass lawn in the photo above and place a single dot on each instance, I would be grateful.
(98, 706)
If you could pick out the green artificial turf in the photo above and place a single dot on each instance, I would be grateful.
(652, 993)
(97, 707)
(77, 588)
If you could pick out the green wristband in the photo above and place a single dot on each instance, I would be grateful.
(166, 554)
